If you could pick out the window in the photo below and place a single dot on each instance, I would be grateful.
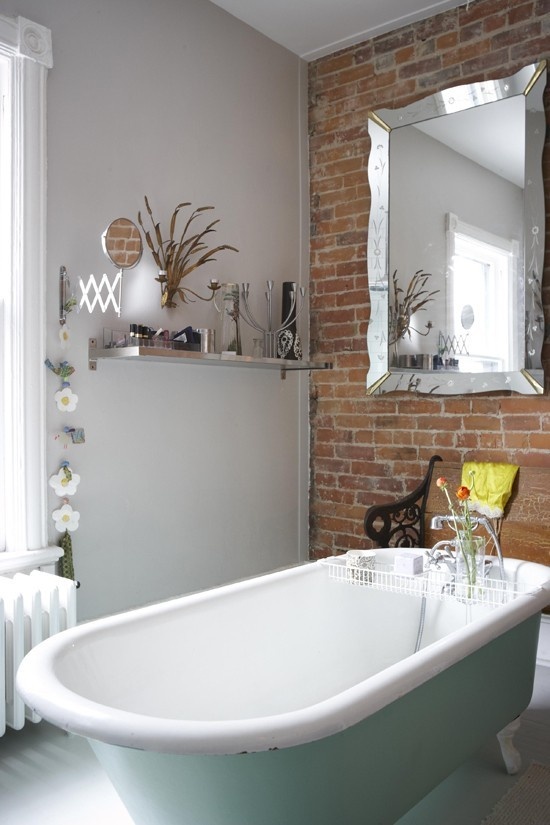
(25, 56)
(483, 297)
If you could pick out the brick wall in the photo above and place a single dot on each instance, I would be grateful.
(367, 449)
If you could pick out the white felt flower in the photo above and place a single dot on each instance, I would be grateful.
(66, 399)
(64, 336)
(64, 482)
(66, 518)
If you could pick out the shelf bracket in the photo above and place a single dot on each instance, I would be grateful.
(92, 362)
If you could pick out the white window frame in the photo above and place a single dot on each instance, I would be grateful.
(460, 234)
(25, 50)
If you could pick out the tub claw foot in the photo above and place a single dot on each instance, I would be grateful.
(510, 754)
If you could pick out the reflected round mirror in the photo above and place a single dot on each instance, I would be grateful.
(467, 316)
(456, 239)
(122, 243)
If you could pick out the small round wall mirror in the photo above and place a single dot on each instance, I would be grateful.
(122, 243)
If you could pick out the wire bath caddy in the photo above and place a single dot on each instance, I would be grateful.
(431, 584)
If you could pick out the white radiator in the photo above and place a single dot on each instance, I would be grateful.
(33, 607)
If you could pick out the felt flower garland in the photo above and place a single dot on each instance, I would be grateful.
(65, 482)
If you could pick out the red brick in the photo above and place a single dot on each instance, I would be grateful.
(520, 13)
(446, 41)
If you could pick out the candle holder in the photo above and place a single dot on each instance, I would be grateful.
(269, 332)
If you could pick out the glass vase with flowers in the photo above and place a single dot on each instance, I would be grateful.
(469, 549)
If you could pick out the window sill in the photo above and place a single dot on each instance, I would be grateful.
(29, 560)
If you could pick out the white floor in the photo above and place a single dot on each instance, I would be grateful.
(49, 778)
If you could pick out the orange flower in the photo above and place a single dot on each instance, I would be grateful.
(463, 493)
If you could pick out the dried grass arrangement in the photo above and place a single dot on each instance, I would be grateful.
(176, 257)
(405, 304)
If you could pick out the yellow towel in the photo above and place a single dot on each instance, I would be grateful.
(490, 486)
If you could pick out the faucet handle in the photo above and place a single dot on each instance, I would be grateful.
(436, 556)
(446, 544)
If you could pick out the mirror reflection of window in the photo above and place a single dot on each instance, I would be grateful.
(483, 274)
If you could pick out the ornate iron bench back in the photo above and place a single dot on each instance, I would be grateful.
(401, 523)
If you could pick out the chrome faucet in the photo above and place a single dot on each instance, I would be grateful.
(441, 553)
(438, 522)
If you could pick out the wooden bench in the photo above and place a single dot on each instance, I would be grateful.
(525, 527)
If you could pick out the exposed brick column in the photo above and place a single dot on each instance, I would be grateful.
(369, 449)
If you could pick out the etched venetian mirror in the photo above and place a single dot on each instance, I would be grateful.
(456, 240)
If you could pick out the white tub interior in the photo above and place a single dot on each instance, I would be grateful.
(287, 644)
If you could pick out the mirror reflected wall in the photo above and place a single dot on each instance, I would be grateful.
(456, 240)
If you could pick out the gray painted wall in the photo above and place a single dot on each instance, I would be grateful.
(190, 476)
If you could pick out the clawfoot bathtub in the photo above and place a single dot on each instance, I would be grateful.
(291, 698)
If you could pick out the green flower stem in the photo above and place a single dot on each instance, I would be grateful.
(469, 564)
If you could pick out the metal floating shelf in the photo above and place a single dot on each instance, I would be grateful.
(178, 356)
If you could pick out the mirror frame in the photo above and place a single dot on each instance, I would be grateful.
(115, 235)
(381, 378)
